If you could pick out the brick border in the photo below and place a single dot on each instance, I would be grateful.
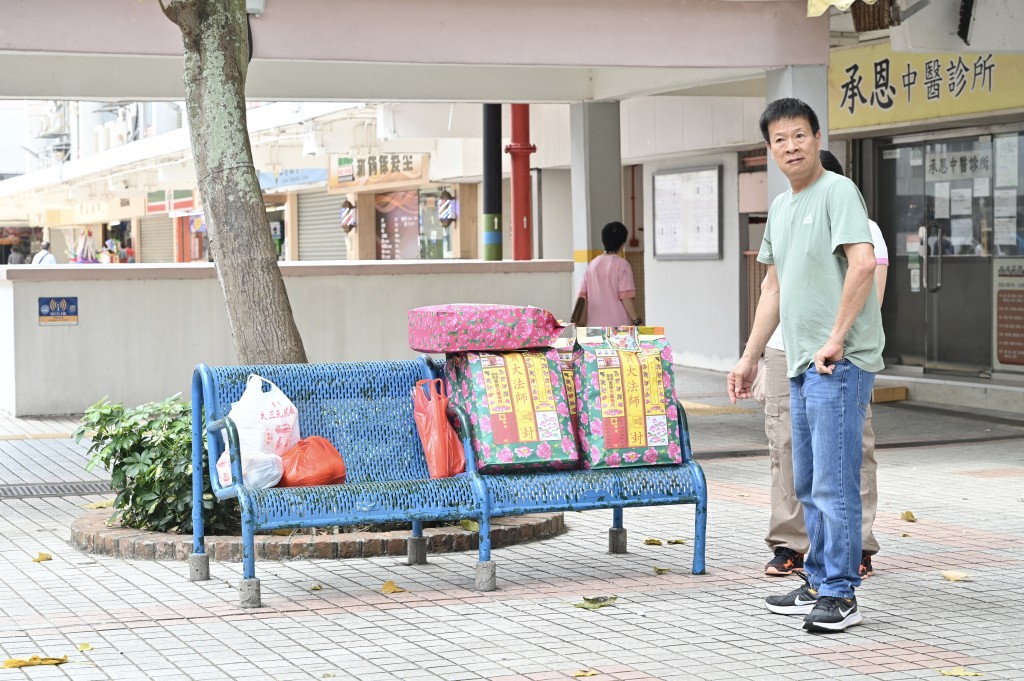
(91, 534)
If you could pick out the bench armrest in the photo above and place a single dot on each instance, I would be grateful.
(227, 425)
(460, 421)
(684, 432)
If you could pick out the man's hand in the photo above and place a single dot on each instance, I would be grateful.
(826, 358)
(741, 378)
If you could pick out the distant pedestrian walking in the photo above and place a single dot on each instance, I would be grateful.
(16, 257)
(608, 287)
(44, 257)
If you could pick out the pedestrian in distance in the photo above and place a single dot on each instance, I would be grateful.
(44, 257)
(16, 257)
(787, 533)
(820, 284)
(607, 288)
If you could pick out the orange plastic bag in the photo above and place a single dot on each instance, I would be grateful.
(441, 443)
(312, 461)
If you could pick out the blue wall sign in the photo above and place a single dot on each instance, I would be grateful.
(58, 311)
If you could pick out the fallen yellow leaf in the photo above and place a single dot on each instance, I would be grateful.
(391, 588)
(908, 516)
(83, 647)
(282, 533)
(42, 557)
(955, 575)
(676, 541)
(34, 661)
(661, 570)
(743, 496)
(595, 602)
(470, 525)
(652, 542)
(958, 671)
(316, 587)
(580, 673)
(108, 503)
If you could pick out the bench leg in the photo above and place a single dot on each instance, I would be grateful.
(486, 571)
(617, 533)
(249, 593)
(486, 576)
(198, 567)
(416, 545)
(249, 587)
(700, 522)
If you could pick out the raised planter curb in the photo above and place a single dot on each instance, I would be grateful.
(91, 534)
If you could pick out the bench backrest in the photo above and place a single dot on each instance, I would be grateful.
(363, 408)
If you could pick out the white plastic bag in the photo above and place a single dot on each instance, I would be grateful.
(259, 470)
(268, 426)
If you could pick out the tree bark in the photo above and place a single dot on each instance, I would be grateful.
(216, 40)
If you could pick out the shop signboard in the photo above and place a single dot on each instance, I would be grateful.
(870, 86)
(291, 177)
(376, 171)
(162, 201)
(58, 311)
(398, 225)
(1008, 313)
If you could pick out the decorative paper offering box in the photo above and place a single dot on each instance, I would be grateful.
(469, 327)
(518, 410)
(626, 399)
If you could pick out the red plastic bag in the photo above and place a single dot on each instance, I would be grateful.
(441, 443)
(312, 461)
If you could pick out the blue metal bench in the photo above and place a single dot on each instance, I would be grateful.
(365, 410)
(583, 490)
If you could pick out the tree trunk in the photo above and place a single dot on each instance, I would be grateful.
(215, 34)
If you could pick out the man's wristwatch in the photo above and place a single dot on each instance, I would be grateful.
(639, 321)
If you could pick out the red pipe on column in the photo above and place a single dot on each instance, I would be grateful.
(520, 150)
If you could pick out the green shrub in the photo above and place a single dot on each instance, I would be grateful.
(148, 452)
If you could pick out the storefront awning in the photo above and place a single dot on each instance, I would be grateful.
(815, 8)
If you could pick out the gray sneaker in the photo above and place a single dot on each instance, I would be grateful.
(797, 602)
(832, 614)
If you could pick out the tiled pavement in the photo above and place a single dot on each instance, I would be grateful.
(145, 620)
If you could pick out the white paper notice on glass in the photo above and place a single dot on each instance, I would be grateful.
(963, 230)
(941, 199)
(981, 186)
(1006, 161)
(1006, 203)
(960, 202)
(1006, 231)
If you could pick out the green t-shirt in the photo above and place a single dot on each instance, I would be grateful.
(804, 239)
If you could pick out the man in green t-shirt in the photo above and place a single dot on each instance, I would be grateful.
(819, 284)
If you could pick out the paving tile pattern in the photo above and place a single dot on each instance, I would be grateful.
(145, 620)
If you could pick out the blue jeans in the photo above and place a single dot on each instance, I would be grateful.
(828, 413)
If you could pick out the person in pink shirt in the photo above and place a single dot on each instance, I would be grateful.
(608, 283)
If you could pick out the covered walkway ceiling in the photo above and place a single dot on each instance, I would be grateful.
(395, 50)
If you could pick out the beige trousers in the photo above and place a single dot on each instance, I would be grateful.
(786, 525)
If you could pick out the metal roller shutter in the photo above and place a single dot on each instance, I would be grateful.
(320, 234)
(157, 237)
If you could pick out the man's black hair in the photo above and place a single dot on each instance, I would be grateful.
(784, 108)
(830, 162)
(613, 236)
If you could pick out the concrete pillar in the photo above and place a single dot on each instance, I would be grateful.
(364, 236)
(596, 159)
(465, 238)
(808, 83)
(291, 227)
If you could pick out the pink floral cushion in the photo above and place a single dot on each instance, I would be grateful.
(480, 327)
